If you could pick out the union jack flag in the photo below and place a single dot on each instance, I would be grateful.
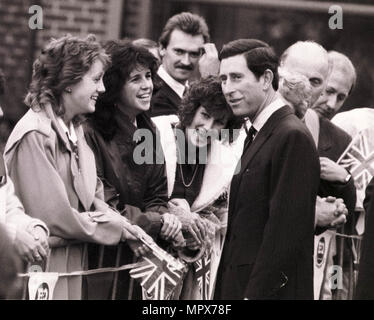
(202, 274)
(159, 274)
(358, 158)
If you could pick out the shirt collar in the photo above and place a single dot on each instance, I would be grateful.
(69, 131)
(171, 82)
(266, 113)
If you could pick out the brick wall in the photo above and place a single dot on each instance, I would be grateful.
(15, 39)
(19, 45)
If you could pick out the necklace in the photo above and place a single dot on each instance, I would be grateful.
(187, 185)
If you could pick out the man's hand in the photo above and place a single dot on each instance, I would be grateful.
(209, 62)
(28, 247)
(331, 171)
(341, 212)
(171, 226)
(330, 212)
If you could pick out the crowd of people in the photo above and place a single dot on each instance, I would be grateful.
(231, 156)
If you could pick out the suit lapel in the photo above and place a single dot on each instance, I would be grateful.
(248, 154)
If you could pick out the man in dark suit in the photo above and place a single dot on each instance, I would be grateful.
(268, 250)
(184, 49)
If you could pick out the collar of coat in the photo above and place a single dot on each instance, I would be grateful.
(219, 170)
(44, 122)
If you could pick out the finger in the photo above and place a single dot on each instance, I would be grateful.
(42, 251)
(36, 255)
(340, 220)
(198, 233)
(178, 227)
(167, 228)
(28, 256)
(193, 234)
(211, 49)
(330, 199)
(202, 228)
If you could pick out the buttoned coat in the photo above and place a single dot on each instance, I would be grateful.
(61, 190)
(268, 250)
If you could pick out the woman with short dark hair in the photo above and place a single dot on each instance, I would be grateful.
(202, 149)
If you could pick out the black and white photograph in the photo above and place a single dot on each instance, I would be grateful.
(191, 151)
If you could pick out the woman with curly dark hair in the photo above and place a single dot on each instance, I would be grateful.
(112, 134)
(51, 165)
(202, 150)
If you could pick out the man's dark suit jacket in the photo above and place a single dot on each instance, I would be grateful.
(332, 142)
(268, 250)
(365, 283)
(164, 101)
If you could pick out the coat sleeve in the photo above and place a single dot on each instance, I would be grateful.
(110, 193)
(15, 217)
(44, 195)
(289, 231)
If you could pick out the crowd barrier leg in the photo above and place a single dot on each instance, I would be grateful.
(340, 244)
(116, 274)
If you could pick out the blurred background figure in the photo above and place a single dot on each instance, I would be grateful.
(149, 44)
(340, 84)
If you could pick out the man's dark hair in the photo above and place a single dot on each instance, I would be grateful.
(2, 83)
(258, 54)
(187, 22)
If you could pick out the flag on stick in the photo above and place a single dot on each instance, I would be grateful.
(159, 273)
(202, 274)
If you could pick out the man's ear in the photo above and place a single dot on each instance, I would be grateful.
(268, 77)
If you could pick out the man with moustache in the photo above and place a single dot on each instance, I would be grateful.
(310, 60)
(268, 250)
(184, 48)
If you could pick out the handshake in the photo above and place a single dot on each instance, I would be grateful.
(330, 212)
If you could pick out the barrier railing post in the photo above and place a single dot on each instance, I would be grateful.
(116, 274)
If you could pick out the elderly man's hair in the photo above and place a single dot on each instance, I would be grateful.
(341, 61)
(305, 44)
(2, 83)
(258, 55)
(187, 22)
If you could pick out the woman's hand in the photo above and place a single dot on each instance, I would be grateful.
(28, 247)
(138, 247)
(170, 227)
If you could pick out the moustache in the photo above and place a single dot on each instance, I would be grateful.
(184, 67)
